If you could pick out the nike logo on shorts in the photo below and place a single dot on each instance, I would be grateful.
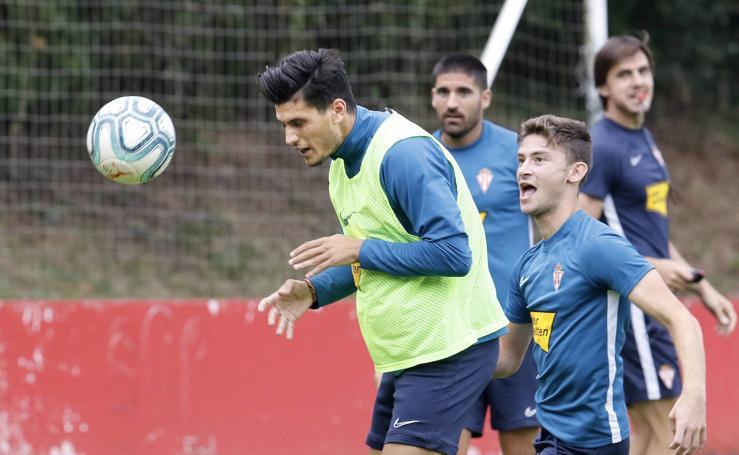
(528, 412)
(398, 423)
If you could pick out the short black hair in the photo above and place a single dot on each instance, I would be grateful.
(320, 75)
(617, 48)
(462, 63)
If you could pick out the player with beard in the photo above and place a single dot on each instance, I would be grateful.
(486, 154)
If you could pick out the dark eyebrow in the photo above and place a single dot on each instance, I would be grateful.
(536, 153)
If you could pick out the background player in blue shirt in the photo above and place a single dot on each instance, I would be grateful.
(570, 292)
(486, 153)
(628, 189)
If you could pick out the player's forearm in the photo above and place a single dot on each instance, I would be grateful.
(507, 365)
(688, 338)
(702, 287)
(421, 188)
(654, 298)
(513, 346)
(445, 257)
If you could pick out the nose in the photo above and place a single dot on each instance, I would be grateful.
(290, 137)
(523, 170)
(639, 78)
(452, 102)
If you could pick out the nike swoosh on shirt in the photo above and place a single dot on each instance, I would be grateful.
(634, 160)
(398, 423)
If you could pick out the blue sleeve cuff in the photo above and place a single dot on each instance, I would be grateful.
(636, 279)
(332, 285)
(517, 320)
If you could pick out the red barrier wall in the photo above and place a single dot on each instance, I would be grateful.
(205, 378)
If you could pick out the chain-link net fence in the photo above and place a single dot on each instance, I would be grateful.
(222, 218)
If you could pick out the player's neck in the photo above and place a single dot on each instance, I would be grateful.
(632, 121)
(346, 125)
(458, 142)
(549, 223)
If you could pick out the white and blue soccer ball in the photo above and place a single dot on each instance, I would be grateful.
(131, 140)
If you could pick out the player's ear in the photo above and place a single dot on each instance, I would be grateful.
(433, 97)
(578, 171)
(603, 90)
(338, 110)
(486, 98)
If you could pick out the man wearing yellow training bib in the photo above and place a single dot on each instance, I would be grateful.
(413, 250)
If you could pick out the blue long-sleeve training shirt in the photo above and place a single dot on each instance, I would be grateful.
(420, 185)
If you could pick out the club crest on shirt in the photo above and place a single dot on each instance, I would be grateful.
(484, 179)
(559, 272)
(658, 156)
(667, 374)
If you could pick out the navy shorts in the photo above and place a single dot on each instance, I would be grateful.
(425, 406)
(650, 362)
(548, 444)
(511, 401)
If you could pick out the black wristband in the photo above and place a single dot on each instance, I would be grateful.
(697, 276)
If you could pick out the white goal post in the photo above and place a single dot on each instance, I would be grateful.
(596, 22)
(500, 36)
(596, 31)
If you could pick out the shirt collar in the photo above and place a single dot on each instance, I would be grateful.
(366, 124)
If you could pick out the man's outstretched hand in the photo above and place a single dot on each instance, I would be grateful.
(287, 304)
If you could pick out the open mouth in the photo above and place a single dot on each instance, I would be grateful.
(304, 150)
(640, 97)
(526, 190)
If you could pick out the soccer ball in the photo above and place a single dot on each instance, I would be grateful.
(131, 140)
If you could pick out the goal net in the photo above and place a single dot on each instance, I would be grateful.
(222, 218)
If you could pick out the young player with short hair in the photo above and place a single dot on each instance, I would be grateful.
(571, 292)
